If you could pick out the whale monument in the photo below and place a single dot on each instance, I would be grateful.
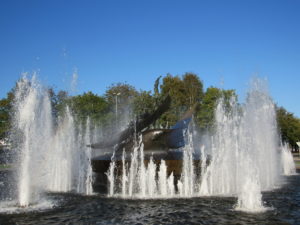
(158, 144)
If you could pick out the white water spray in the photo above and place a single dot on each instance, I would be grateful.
(243, 158)
(186, 183)
(87, 160)
(111, 178)
(60, 156)
(141, 179)
(50, 156)
(32, 125)
(288, 164)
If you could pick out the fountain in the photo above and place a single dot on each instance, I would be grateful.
(288, 164)
(244, 159)
(240, 160)
(32, 126)
(140, 178)
(50, 156)
(59, 162)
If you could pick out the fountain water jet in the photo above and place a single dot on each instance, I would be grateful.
(245, 136)
(61, 155)
(111, 178)
(87, 163)
(83, 174)
(50, 155)
(32, 126)
(186, 183)
(288, 164)
(140, 179)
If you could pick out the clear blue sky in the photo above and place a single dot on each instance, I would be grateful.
(224, 42)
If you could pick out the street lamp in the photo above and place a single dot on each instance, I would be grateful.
(116, 94)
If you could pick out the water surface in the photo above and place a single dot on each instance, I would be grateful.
(284, 204)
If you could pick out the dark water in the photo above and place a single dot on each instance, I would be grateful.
(98, 209)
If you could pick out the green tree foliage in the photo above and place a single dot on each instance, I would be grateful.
(184, 92)
(58, 101)
(121, 95)
(205, 116)
(6, 105)
(144, 102)
(89, 105)
(193, 88)
(173, 86)
(289, 127)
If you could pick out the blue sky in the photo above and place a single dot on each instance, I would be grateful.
(224, 42)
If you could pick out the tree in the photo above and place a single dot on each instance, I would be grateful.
(58, 101)
(120, 98)
(89, 105)
(174, 87)
(184, 91)
(205, 116)
(193, 89)
(4, 117)
(6, 106)
(144, 102)
(61, 100)
(289, 126)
